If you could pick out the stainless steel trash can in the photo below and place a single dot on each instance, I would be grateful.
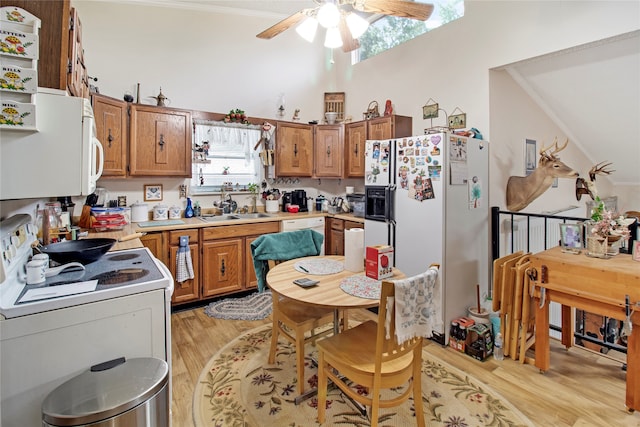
(118, 393)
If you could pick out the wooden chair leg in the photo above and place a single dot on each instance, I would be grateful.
(417, 388)
(274, 341)
(322, 387)
(300, 360)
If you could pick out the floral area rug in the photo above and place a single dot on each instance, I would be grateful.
(237, 388)
(255, 306)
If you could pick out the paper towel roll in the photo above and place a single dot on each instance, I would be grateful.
(354, 249)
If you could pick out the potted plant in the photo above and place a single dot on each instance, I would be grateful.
(254, 189)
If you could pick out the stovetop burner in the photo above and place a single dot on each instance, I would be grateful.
(118, 277)
(117, 274)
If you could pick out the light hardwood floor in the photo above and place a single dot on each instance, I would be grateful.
(581, 389)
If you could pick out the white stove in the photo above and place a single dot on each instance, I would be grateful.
(46, 341)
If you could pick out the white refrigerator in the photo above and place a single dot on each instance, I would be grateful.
(435, 189)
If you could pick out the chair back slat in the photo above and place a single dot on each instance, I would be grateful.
(387, 345)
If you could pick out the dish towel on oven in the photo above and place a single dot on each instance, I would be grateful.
(417, 305)
(184, 265)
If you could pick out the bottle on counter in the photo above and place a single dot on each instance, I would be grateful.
(188, 212)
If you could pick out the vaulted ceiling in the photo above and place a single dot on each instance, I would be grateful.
(591, 92)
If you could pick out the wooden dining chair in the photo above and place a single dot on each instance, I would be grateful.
(370, 357)
(298, 323)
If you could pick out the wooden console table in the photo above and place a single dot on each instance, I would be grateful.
(595, 285)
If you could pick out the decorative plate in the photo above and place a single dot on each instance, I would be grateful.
(319, 266)
(361, 286)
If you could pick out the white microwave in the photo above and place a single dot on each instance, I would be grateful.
(59, 158)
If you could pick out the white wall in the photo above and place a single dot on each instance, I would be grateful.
(214, 62)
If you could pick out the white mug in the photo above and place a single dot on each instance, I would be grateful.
(36, 269)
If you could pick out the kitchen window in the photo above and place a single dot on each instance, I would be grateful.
(223, 155)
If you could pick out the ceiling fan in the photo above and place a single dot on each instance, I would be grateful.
(343, 25)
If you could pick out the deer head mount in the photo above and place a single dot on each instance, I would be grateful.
(589, 187)
(522, 190)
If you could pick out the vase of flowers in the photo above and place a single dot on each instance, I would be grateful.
(604, 230)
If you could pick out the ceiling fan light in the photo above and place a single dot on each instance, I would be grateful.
(328, 15)
(333, 39)
(357, 25)
(307, 29)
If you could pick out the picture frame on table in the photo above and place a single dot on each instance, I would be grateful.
(635, 253)
(152, 192)
(571, 238)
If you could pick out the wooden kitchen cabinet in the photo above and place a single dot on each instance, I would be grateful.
(387, 127)
(355, 136)
(159, 141)
(294, 149)
(56, 65)
(222, 262)
(157, 244)
(334, 230)
(226, 257)
(77, 77)
(111, 125)
(189, 290)
(328, 151)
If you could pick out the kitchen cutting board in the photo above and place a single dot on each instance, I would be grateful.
(160, 223)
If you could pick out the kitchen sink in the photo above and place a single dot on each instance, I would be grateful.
(253, 215)
(228, 217)
(216, 218)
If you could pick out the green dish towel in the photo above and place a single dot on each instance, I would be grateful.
(283, 247)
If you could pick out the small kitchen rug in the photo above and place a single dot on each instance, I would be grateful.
(256, 306)
(238, 388)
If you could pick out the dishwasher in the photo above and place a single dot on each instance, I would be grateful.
(316, 224)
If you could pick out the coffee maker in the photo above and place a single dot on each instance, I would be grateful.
(299, 197)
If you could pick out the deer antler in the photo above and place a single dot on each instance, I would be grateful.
(600, 169)
(552, 154)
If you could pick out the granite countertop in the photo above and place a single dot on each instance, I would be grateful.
(134, 229)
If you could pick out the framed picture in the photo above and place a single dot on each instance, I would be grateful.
(458, 121)
(430, 111)
(571, 238)
(530, 157)
(152, 192)
(636, 250)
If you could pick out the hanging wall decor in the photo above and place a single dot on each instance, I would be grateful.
(457, 121)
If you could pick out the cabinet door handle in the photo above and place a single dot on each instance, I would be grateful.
(222, 268)
(161, 142)
(295, 150)
(356, 150)
(110, 138)
(328, 151)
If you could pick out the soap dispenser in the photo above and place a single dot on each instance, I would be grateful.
(188, 212)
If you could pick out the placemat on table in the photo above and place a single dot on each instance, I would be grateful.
(319, 266)
(361, 286)
(160, 223)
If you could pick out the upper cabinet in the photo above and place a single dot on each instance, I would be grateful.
(294, 149)
(332, 151)
(387, 127)
(328, 151)
(159, 141)
(355, 135)
(60, 37)
(111, 126)
(142, 140)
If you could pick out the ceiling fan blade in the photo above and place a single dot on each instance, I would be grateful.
(283, 25)
(348, 42)
(400, 8)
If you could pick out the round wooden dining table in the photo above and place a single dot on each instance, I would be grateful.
(327, 293)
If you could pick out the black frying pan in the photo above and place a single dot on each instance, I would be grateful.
(83, 251)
